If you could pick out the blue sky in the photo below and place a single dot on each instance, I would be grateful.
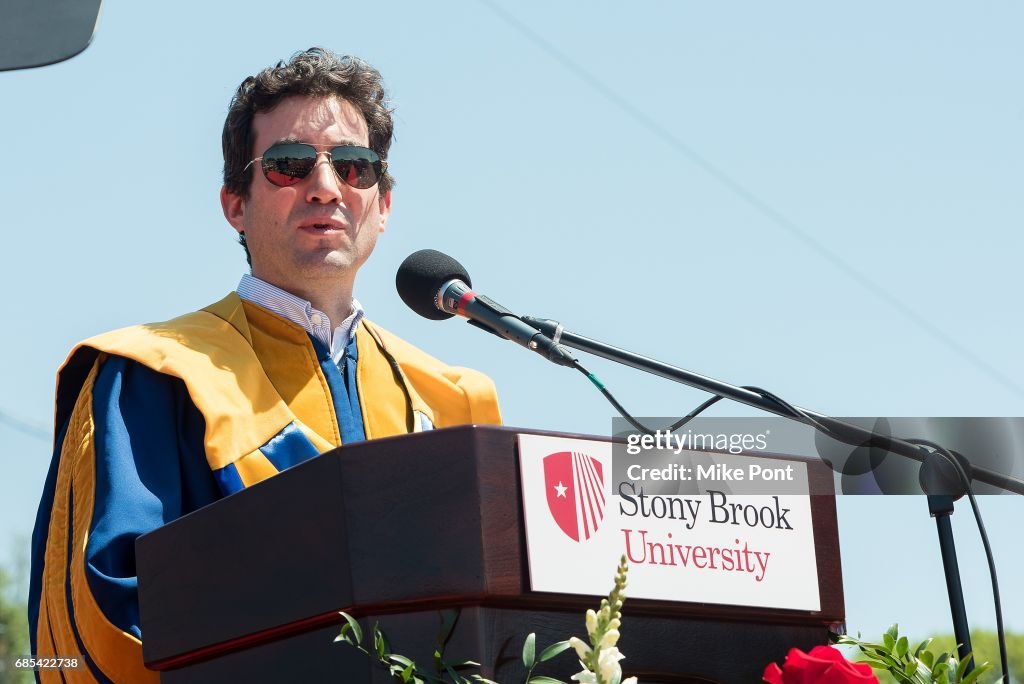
(823, 201)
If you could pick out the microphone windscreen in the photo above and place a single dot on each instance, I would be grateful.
(420, 278)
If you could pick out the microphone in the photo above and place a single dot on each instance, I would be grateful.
(437, 287)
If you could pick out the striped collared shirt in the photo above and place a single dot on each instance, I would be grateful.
(299, 311)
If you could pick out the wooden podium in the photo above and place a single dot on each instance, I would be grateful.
(404, 530)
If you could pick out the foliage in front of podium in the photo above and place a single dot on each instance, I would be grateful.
(599, 659)
(923, 664)
(404, 669)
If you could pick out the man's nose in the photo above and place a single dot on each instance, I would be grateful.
(323, 185)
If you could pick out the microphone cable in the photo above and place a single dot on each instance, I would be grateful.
(765, 394)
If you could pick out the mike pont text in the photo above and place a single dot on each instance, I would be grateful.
(711, 472)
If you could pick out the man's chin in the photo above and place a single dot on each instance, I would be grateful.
(329, 263)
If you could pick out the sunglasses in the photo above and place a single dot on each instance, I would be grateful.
(286, 164)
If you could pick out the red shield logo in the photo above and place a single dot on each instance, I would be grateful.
(574, 483)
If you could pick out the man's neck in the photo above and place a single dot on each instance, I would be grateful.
(333, 299)
(337, 305)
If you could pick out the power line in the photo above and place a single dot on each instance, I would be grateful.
(773, 215)
(25, 427)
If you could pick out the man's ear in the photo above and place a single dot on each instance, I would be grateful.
(234, 208)
(385, 209)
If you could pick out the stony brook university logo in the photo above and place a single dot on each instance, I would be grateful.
(574, 483)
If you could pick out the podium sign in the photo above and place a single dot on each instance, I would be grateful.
(711, 545)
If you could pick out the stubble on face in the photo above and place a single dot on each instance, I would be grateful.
(319, 230)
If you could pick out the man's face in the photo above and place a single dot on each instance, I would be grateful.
(320, 228)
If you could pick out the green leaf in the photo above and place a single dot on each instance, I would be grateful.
(898, 675)
(922, 647)
(351, 623)
(466, 663)
(378, 641)
(401, 659)
(962, 667)
(877, 664)
(976, 673)
(530, 651)
(449, 619)
(901, 647)
(553, 650)
(884, 656)
(927, 657)
(544, 680)
(889, 642)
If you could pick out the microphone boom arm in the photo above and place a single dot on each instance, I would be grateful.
(837, 429)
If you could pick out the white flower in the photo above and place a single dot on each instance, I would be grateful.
(610, 638)
(582, 649)
(591, 623)
(608, 663)
(586, 677)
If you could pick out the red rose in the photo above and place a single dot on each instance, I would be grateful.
(823, 665)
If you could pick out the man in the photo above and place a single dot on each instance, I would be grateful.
(155, 421)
